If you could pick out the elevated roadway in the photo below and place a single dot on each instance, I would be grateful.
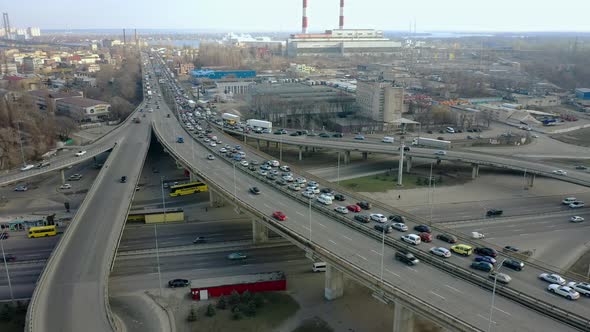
(454, 297)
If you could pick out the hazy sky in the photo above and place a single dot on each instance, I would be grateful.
(285, 15)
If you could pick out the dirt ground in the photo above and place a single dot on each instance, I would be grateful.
(580, 137)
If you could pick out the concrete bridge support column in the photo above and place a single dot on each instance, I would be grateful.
(245, 139)
(530, 180)
(257, 144)
(259, 232)
(408, 164)
(267, 145)
(62, 172)
(306, 149)
(215, 200)
(474, 171)
(192, 176)
(365, 155)
(334, 284)
(403, 318)
(300, 153)
(346, 157)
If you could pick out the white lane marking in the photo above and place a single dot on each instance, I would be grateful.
(395, 274)
(299, 213)
(331, 241)
(502, 311)
(362, 257)
(346, 237)
(376, 252)
(267, 206)
(485, 318)
(518, 230)
(442, 297)
(324, 226)
(411, 268)
(453, 288)
(305, 227)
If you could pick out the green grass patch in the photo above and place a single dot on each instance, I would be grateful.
(276, 308)
(384, 182)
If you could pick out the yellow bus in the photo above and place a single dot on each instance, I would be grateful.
(42, 231)
(188, 188)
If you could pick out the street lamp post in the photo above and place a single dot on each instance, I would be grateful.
(235, 186)
(310, 220)
(6, 267)
(20, 141)
(281, 147)
(382, 250)
(494, 293)
(431, 192)
(338, 170)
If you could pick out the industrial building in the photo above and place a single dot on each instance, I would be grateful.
(338, 42)
(221, 74)
(84, 109)
(203, 289)
(298, 105)
(583, 93)
(380, 101)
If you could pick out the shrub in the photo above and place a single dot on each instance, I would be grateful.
(250, 308)
(222, 303)
(237, 314)
(192, 316)
(258, 300)
(210, 310)
(246, 297)
(418, 181)
(6, 313)
(234, 298)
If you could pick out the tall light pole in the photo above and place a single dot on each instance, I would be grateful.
(6, 267)
(338, 171)
(310, 220)
(382, 250)
(494, 293)
(281, 147)
(235, 186)
(431, 191)
(400, 169)
(20, 141)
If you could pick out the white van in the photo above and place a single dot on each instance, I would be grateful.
(325, 200)
(477, 235)
(319, 267)
(387, 139)
(450, 130)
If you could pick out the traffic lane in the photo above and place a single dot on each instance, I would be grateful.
(76, 277)
(197, 260)
(357, 248)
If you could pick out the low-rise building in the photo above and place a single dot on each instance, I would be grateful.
(84, 109)
(380, 101)
(47, 99)
(537, 101)
(583, 93)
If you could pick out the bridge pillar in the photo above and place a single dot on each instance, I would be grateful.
(334, 284)
(300, 153)
(346, 157)
(257, 144)
(245, 139)
(215, 200)
(267, 145)
(306, 149)
(474, 171)
(403, 318)
(530, 180)
(365, 155)
(62, 172)
(259, 232)
(408, 164)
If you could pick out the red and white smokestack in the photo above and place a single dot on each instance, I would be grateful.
(341, 25)
(304, 18)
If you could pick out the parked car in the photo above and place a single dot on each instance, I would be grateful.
(494, 212)
(406, 257)
(362, 218)
(447, 238)
(364, 205)
(513, 264)
(378, 217)
(482, 266)
(178, 283)
(565, 291)
(552, 278)
(440, 251)
(80, 153)
(400, 226)
(254, 190)
(123, 179)
(422, 228)
(411, 238)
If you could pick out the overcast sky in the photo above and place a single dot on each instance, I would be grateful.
(285, 15)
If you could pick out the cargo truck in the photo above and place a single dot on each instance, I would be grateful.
(432, 143)
(230, 118)
(259, 124)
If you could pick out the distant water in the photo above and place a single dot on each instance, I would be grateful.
(175, 42)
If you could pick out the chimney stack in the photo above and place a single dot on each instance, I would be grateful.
(304, 18)
(341, 21)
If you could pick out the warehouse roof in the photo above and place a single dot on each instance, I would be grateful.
(235, 280)
(82, 102)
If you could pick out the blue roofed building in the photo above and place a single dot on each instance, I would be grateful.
(222, 74)
(583, 93)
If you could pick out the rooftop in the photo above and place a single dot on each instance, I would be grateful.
(237, 279)
(82, 102)
(54, 94)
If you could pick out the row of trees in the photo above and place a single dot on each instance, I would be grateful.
(438, 115)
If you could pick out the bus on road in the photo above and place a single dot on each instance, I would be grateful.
(188, 188)
(42, 231)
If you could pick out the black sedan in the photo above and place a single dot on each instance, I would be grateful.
(364, 205)
(513, 264)
(178, 283)
(447, 238)
(362, 218)
(255, 190)
(483, 251)
(397, 218)
(422, 228)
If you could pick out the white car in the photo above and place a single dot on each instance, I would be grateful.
(341, 209)
(285, 168)
(559, 172)
(564, 291)
(400, 226)
(274, 163)
(308, 194)
(312, 184)
(568, 200)
(576, 219)
(314, 190)
(300, 180)
(378, 217)
(213, 144)
(412, 239)
(210, 157)
(223, 150)
(294, 187)
(581, 287)
(27, 167)
(576, 205)
(65, 186)
(288, 178)
(440, 251)
(262, 172)
(552, 278)
(324, 200)
(244, 163)
(440, 153)
(80, 153)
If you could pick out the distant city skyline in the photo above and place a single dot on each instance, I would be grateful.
(285, 15)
